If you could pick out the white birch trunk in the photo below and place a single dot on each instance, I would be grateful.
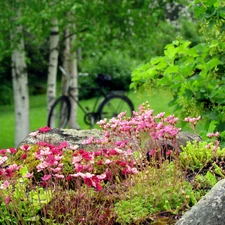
(70, 66)
(66, 62)
(53, 64)
(74, 86)
(20, 84)
(73, 82)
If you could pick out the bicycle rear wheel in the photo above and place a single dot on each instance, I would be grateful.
(115, 104)
(60, 113)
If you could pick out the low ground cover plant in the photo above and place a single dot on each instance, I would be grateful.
(129, 176)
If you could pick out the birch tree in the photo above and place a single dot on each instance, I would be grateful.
(74, 82)
(70, 67)
(20, 79)
(53, 63)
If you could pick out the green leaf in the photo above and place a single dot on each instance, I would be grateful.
(171, 69)
(212, 126)
(213, 63)
(188, 93)
(170, 51)
(211, 178)
(23, 171)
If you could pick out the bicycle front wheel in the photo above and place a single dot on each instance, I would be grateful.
(60, 113)
(115, 104)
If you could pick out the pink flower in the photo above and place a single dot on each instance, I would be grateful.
(9, 172)
(59, 176)
(122, 163)
(74, 147)
(192, 120)
(134, 170)
(34, 134)
(107, 161)
(56, 170)
(45, 151)
(113, 152)
(43, 184)
(168, 152)
(2, 153)
(7, 200)
(3, 159)
(46, 177)
(160, 115)
(11, 150)
(97, 153)
(210, 135)
(88, 141)
(151, 152)
(44, 129)
(99, 162)
(107, 134)
(24, 156)
(98, 186)
(76, 159)
(25, 147)
(129, 152)
(102, 176)
(121, 144)
(29, 175)
(5, 185)
(78, 167)
(102, 122)
(42, 166)
(50, 159)
(88, 156)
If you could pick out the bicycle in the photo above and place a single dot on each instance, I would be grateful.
(113, 103)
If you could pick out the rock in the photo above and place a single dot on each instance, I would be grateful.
(210, 210)
(181, 140)
(76, 137)
(184, 137)
(56, 135)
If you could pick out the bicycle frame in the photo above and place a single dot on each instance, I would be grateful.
(94, 110)
(101, 108)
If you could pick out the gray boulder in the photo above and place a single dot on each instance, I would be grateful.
(210, 210)
(56, 135)
(76, 137)
(184, 137)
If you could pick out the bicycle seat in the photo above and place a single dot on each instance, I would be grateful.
(103, 79)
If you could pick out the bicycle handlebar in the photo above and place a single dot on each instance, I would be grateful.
(66, 74)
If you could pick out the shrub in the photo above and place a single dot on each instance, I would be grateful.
(194, 74)
(124, 176)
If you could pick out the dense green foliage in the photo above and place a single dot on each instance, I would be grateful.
(114, 38)
(194, 74)
(109, 180)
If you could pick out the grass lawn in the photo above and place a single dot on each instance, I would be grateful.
(158, 100)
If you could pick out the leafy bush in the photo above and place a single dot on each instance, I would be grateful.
(194, 74)
(125, 176)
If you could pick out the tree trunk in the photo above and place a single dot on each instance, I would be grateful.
(70, 66)
(20, 82)
(53, 64)
(73, 83)
(66, 62)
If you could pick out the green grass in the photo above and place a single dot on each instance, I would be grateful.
(158, 100)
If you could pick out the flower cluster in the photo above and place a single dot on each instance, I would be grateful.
(95, 166)
(50, 158)
(192, 121)
(141, 133)
(7, 170)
